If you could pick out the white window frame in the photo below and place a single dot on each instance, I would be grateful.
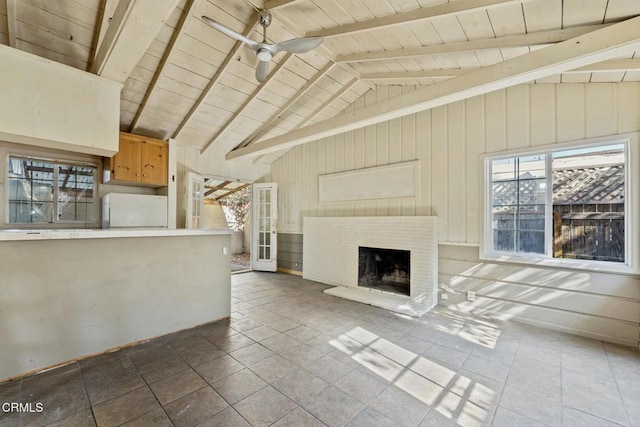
(632, 177)
(56, 224)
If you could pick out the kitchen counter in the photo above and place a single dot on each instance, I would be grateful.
(9, 235)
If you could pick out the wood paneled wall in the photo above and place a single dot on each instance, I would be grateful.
(448, 143)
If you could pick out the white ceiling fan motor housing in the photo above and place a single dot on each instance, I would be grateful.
(264, 55)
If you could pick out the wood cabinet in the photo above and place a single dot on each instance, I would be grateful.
(140, 161)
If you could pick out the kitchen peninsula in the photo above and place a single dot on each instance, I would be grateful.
(66, 294)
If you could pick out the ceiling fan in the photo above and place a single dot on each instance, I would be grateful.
(266, 51)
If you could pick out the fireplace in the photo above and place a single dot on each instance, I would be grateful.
(331, 255)
(384, 269)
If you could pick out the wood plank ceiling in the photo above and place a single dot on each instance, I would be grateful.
(197, 85)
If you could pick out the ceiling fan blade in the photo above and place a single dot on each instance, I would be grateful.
(301, 45)
(249, 55)
(262, 70)
(229, 32)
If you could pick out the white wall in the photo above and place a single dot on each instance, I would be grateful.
(63, 299)
(52, 105)
(214, 215)
(447, 143)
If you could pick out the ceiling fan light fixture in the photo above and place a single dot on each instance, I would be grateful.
(264, 55)
(266, 51)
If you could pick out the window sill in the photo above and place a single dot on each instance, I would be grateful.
(568, 264)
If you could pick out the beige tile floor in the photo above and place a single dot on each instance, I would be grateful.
(293, 356)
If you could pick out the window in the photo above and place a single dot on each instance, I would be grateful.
(51, 192)
(562, 204)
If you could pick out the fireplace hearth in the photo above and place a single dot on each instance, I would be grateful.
(384, 269)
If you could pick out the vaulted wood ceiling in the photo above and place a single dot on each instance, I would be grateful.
(195, 84)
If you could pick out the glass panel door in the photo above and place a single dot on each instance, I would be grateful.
(195, 201)
(265, 234)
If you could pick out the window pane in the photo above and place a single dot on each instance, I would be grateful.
(518, 204)
(34, 198)
(30, 192)
(505, 193)
(589, 198)
(75, 193)
(531, 242)
(504, 218)
(503, 241)
(531, 217)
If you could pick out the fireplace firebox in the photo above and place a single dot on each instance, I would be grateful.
(384, 269)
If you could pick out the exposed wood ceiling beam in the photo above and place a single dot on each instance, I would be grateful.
(304, 89)
(255, 20)
(167, 58)
(612, 65)
(518, 40)
(131, 31)
(422, 74)
(614, 41)
(108, 9)
(438, 11)
(216, 188)
(327, 103)
(248, 101)
(279, 4)
(11, 22)
(235, 190)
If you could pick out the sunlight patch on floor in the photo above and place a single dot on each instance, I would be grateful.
(451, 394)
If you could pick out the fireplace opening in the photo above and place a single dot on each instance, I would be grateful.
(384, 269)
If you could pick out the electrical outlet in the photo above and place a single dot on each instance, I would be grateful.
(444, 296)
(471, 295)
(225, 251)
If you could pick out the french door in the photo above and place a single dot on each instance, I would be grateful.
(265, 235)
(195, 201)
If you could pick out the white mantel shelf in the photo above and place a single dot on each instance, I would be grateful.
(14, 235)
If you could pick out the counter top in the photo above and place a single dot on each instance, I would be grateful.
(13, 235)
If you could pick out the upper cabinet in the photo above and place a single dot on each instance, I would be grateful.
(140, 161)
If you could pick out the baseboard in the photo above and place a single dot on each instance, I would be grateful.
(289, 271)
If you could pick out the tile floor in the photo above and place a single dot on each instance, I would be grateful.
(292, 356)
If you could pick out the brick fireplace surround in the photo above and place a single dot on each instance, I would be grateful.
(330, 255)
